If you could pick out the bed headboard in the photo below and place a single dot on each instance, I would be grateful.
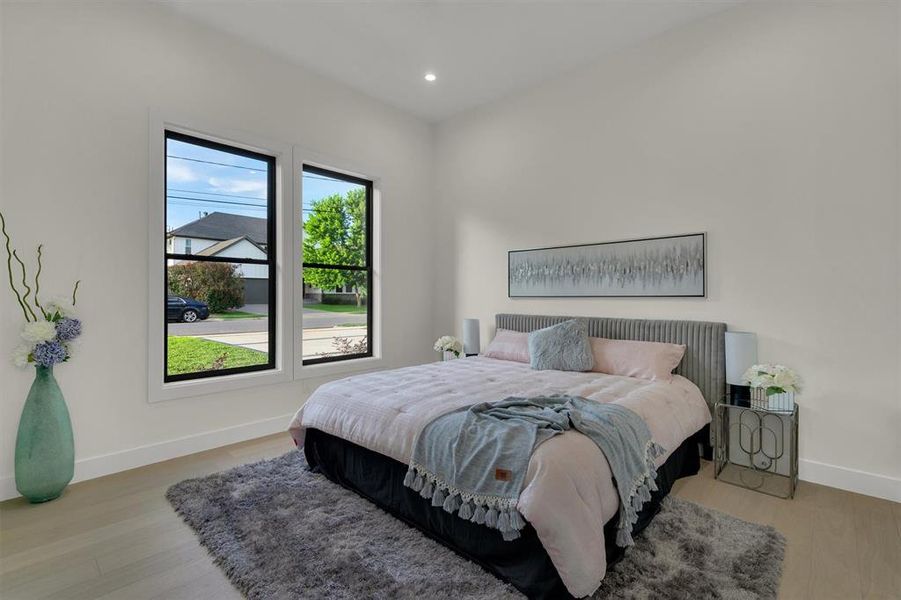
(704, 362)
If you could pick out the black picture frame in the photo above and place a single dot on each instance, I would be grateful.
(515, 291)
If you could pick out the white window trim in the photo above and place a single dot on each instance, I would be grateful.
(304, 156)
(286, 265)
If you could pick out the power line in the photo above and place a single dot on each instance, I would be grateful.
(258, 170)
(257, 206)
(189, 204)
(215, 194)
(211, 162)
(211, 201)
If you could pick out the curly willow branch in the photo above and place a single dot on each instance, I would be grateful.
(75, 291)
(9, 267)
(25, 285)
(37, 282)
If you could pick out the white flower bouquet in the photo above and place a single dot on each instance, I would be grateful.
(775, 379)
(448, 343)
(773, 387)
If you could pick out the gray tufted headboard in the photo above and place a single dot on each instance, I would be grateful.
(704, 362)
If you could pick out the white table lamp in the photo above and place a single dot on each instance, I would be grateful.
(741, 354)
(471, 342)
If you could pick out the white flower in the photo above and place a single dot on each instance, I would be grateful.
(61, 305)
(38, 331)
(768, 376)
(21, 354)
(786, 379)
(448, 343)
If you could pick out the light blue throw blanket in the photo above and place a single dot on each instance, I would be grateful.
(473, 461)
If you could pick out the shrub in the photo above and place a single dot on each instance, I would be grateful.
(342, 299)
(217, 284)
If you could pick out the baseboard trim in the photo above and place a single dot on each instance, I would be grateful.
(852, 480)
(107, 464)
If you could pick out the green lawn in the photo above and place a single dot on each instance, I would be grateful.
(191, 354)
(338, 308)
(236, 314)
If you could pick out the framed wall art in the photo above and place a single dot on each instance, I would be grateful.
(671, 266)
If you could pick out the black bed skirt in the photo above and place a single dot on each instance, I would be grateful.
(523, 562)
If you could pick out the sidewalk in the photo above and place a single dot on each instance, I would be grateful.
(315, 341)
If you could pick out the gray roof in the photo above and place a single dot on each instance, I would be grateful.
(224, 226)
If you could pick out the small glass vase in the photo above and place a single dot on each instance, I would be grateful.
(45, 448)
(447, 355)
(780, 403)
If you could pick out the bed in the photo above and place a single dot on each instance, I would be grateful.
(359, 432)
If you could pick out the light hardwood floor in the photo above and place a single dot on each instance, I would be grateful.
(117, 537)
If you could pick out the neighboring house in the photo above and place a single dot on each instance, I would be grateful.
(230, 236)
(340, 294)
(239, 236)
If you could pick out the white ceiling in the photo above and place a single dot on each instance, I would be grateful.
(479, 50)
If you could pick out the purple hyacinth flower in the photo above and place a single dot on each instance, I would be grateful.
(47, 354)
(68, 329)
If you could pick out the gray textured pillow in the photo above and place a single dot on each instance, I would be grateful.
(563, 347)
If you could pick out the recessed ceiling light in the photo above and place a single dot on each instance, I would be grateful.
(430, 77)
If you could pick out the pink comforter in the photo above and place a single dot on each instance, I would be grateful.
(569, 493)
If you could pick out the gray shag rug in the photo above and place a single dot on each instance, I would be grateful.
(280, 531)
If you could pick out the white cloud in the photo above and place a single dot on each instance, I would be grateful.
(179, 172)
(239, 186)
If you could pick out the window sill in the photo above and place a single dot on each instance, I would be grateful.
(161, 392)
(348, 367)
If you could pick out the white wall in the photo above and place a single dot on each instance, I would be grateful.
(77, 85)
(772, 127)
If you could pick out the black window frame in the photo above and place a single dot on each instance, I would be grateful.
(270, 261)
(367, 264)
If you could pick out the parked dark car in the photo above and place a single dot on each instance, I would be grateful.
(186, 310)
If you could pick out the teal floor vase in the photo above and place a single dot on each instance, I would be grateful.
(45, 450)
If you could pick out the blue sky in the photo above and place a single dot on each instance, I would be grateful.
(200, 180)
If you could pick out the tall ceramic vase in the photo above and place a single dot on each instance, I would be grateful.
(45, 449)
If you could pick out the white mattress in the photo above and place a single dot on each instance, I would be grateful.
(569, 492)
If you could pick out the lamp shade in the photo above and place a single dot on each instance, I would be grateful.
(741, 354)
(471, 342)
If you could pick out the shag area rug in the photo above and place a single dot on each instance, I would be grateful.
(280, 531)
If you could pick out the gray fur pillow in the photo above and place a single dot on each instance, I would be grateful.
(563, 347)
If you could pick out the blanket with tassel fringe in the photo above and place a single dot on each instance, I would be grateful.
(473, 461)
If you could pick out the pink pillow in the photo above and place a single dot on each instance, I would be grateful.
(630, 358)
(509, 345)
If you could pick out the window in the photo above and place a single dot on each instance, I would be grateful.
(337, 266)
(221, 289)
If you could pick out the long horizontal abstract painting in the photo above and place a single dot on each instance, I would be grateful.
(665, 266)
